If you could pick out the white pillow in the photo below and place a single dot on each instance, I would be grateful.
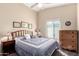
(27, 36)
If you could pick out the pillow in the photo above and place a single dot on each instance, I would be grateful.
(27, 36)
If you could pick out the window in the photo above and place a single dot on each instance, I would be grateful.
(53, 28)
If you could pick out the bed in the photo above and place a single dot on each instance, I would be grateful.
(35, 46)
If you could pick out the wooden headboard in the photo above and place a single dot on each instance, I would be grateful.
(20, 33)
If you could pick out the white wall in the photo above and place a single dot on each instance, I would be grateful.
(78, 16)
(15, 12)
(63, 13)
(19, 12)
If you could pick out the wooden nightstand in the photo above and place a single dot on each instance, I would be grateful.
(8, 47)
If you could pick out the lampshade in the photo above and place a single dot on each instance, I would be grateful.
(3, 39)
(37, 30)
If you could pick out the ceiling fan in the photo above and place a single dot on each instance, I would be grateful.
(36, 4)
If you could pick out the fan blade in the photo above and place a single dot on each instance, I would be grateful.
(34, 5)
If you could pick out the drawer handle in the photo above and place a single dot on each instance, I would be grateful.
(73, 41)
(73, 46)
(72, 32)
(72, 36)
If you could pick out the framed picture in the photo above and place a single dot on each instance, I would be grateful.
(30, 26)
(24, 24)
(16, 24)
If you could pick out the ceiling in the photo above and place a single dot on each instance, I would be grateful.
(42, 6)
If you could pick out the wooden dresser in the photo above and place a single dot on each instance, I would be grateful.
(69, 39)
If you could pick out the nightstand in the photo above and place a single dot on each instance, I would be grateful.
(8, 47)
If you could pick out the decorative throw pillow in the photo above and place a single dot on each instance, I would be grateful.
(27, 36)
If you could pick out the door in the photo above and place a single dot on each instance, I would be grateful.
(53, 28)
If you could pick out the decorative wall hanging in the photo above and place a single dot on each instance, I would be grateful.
(16, 24)
(29, 26)
(67, 23)
(24, 24)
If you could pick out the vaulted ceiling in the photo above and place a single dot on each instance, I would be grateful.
(41, 6)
